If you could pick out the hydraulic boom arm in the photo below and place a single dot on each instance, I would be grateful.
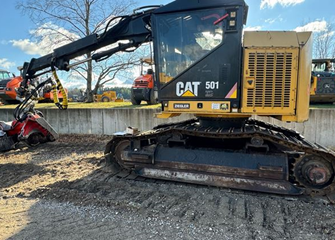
(133, 28)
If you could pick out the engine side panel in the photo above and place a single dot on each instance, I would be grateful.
(276, 74)
(270, 80)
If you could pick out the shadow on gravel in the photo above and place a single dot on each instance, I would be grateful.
(90, 190)
(103, 206)
(100, 206)
(11, 174)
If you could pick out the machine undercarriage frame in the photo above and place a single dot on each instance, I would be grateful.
(255, 156)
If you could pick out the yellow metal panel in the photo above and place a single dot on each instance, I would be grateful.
(227, 115)
(304, 79)
(165, 115)
(313, 85)
(270, 39)
(270, 81)
(193, 107)
(286, 118)
(214, 109)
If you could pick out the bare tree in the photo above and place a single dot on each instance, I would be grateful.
(324, 43)
(76, 19)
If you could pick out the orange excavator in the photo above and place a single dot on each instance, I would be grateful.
(9, 84)
(205, 66)
(143, 88)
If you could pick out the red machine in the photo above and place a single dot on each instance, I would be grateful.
(29, 126)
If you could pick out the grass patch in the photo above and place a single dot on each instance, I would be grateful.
(323, 106)
(97, 105)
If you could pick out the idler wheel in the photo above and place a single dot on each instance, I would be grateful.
(121, 146)
(314, 172)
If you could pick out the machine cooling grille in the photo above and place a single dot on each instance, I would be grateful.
(272, 72)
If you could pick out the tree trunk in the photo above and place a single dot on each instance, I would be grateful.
(90, 95)
(80, 18)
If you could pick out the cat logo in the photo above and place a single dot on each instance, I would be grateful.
(188, 89)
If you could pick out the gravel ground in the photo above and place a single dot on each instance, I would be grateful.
(62, 190)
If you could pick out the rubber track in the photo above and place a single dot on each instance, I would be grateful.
(273, 133)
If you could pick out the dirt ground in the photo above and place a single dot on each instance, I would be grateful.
(63, 190)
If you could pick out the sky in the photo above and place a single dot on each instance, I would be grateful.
(17, 46)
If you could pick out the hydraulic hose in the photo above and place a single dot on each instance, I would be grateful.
(57, 85)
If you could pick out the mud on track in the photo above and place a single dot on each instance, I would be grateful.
(62, 190)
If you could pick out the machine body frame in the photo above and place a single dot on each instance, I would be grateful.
(203, 67)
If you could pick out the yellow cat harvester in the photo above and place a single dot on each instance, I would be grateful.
(203, 67)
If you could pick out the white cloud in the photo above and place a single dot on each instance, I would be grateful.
(270, 20)
(73, 79)
(4, 63)
(74, 84)
(273, 20)
(328, 34)
(316, 26)
(256, 28)
(28, 47)
(284, 3)
(50, 37)
(117, 83)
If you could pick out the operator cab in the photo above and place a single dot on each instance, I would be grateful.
(323, 65)
(5, 77)
(5, 74)
(192, 39)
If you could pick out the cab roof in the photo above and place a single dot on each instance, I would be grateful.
(184, 5)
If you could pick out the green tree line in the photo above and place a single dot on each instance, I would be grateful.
(74, 92)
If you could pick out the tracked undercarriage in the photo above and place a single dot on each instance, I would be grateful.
(242, 154)
(205, 65)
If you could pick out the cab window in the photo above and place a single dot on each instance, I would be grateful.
(184, 38)
(4, 75)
